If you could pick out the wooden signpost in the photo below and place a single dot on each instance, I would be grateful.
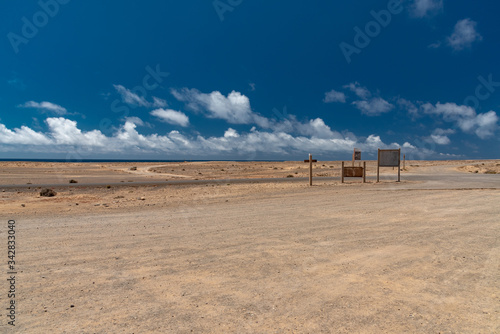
(356, 155)
(310, 161)
(354, 171)
(389, 158)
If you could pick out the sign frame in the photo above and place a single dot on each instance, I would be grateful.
(385, 160)
(354, 171)
(356, 154)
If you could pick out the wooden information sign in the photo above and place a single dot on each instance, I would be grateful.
(389, 158)
(354, 172)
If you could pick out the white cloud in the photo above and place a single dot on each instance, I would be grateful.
(159, 103)
(464, 35)
(449, 111)
(408, 145)
(486, 124)
(368, 105)
(440, 136)
(131, 98)
(171, 116)
(435, 45)
(45, 106)
(409, 106)
(334, 96)
(422, 8)
(441, 132)
(361, 92)
(64, 136)
(373, 107)
(231, 133)
(440, 140)
(135, 120)
(234, 108)
(464, 117)
(65, 132)
(317, 128)
(22, 136)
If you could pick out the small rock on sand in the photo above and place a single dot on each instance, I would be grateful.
(47, 193)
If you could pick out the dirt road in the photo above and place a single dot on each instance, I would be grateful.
(250, 258)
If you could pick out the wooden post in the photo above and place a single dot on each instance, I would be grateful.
(310, 169)
(364, 171)
(399, 166)
(378, 166)
(353, 156)
(310, 161)
(342, 172)
(404, 161)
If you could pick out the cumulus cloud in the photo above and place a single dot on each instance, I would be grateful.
(22, 136)
(422, 8)
(435, 45)
(449, 111)
(316, 128)
(464, 117)
(65, 132)
(171, 116)
(368, 105)
(63, 135)
(334, 96)
(373, 107)
(484, 125)
(45, 106)
(360, 91)
(408, 106)
(234, 108)
(231, 133)
(135, 120)
(464, 35)
(159, 103)
(131, 98)
(440, 136)
(134, 99)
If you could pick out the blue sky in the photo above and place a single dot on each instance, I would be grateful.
(240, 79)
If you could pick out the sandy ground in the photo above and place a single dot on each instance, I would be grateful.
(275, 257)
(488, 167)
(61, 173)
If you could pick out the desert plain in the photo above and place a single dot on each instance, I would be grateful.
(250, 247)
